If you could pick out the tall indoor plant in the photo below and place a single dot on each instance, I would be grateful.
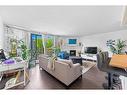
(56, 50)
(13, 44)
(23, 48)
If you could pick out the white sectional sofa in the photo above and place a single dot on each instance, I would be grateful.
(65, 71)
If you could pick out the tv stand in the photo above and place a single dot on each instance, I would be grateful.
(90, 57)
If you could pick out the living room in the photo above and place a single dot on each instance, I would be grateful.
(63, 47)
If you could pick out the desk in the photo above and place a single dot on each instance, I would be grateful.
(91, 57)
(17, 66)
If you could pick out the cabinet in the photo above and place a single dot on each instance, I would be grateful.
(91, 57)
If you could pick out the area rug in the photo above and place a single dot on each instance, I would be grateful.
(87, 65)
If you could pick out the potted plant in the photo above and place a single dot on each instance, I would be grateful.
(116, 47)
(23, 48)
(56, 50)
(13, 43)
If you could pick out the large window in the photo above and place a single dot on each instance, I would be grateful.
(49, 44)
(37, 43)
(12, 39)
(36, 46)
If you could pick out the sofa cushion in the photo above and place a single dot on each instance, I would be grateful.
(69, 62)
(43, 55)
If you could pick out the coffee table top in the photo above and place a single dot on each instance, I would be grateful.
(75, 57)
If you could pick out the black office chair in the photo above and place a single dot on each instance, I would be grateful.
(113, 73)
(2, 55)
(102, 58)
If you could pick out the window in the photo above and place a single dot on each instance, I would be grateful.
(37, 43)
(49, 44)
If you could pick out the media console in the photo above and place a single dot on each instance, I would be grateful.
(91, 57)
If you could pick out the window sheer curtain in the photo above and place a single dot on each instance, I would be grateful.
(17, 34)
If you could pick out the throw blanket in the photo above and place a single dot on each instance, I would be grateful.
(51, 63)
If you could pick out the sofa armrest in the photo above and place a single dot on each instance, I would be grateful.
(73, 73)
(77, 67)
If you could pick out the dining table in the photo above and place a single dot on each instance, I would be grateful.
(120, 61)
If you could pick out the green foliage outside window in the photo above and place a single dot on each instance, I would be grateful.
(40, 48)
(49, 43)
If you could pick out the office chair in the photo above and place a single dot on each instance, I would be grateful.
(2, 55)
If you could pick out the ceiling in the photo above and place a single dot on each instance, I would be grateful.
(64, 20)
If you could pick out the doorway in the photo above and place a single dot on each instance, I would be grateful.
(36, 47)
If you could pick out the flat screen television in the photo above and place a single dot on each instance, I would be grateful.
(72, 41)
(91, 50)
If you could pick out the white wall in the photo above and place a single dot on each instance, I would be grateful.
(1, 34)
(100, 40)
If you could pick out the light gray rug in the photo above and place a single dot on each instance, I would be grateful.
(87, 65)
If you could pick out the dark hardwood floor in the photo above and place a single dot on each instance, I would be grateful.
(40, 79)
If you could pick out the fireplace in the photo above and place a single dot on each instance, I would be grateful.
(72, 52)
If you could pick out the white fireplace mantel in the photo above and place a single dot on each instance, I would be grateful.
(68, 48)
